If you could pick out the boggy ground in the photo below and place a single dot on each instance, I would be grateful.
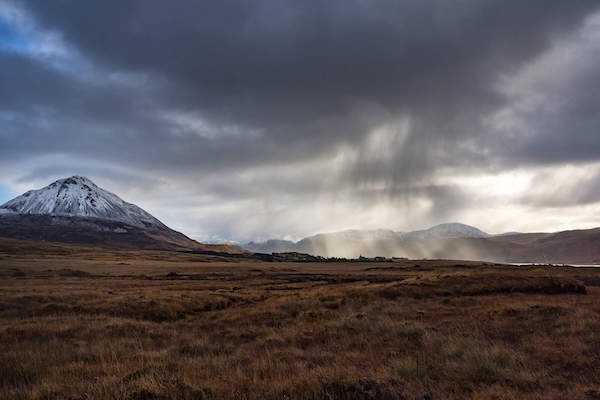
(82, 322)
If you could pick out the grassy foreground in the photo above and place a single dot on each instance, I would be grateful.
(99, 323)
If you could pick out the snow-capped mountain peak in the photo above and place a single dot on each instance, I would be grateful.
(78, 196)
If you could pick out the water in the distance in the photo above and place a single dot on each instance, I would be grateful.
(558, 265)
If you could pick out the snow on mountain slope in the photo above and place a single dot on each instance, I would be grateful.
(78, 196)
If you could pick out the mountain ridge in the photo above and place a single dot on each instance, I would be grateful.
(76, 210)
(309, 243)
(455, 241)
(78, 196)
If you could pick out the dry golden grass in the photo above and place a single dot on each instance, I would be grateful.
(107, 323)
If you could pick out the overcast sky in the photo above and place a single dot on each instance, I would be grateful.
(251, 119)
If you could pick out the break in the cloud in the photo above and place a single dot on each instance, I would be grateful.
(244, 120)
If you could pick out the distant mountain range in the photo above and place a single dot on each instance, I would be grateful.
(352, 243)
(448, 241)
(75, 210)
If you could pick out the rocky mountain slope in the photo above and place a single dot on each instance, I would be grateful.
(78, 196)
(75, 210)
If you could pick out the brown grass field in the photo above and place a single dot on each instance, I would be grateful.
(81, 322)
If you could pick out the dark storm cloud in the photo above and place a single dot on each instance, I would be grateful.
(568, 131)
(300, 71)
(206, 91)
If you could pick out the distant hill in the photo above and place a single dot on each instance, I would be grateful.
(449, 241)
(353, 243)
(75, 210)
